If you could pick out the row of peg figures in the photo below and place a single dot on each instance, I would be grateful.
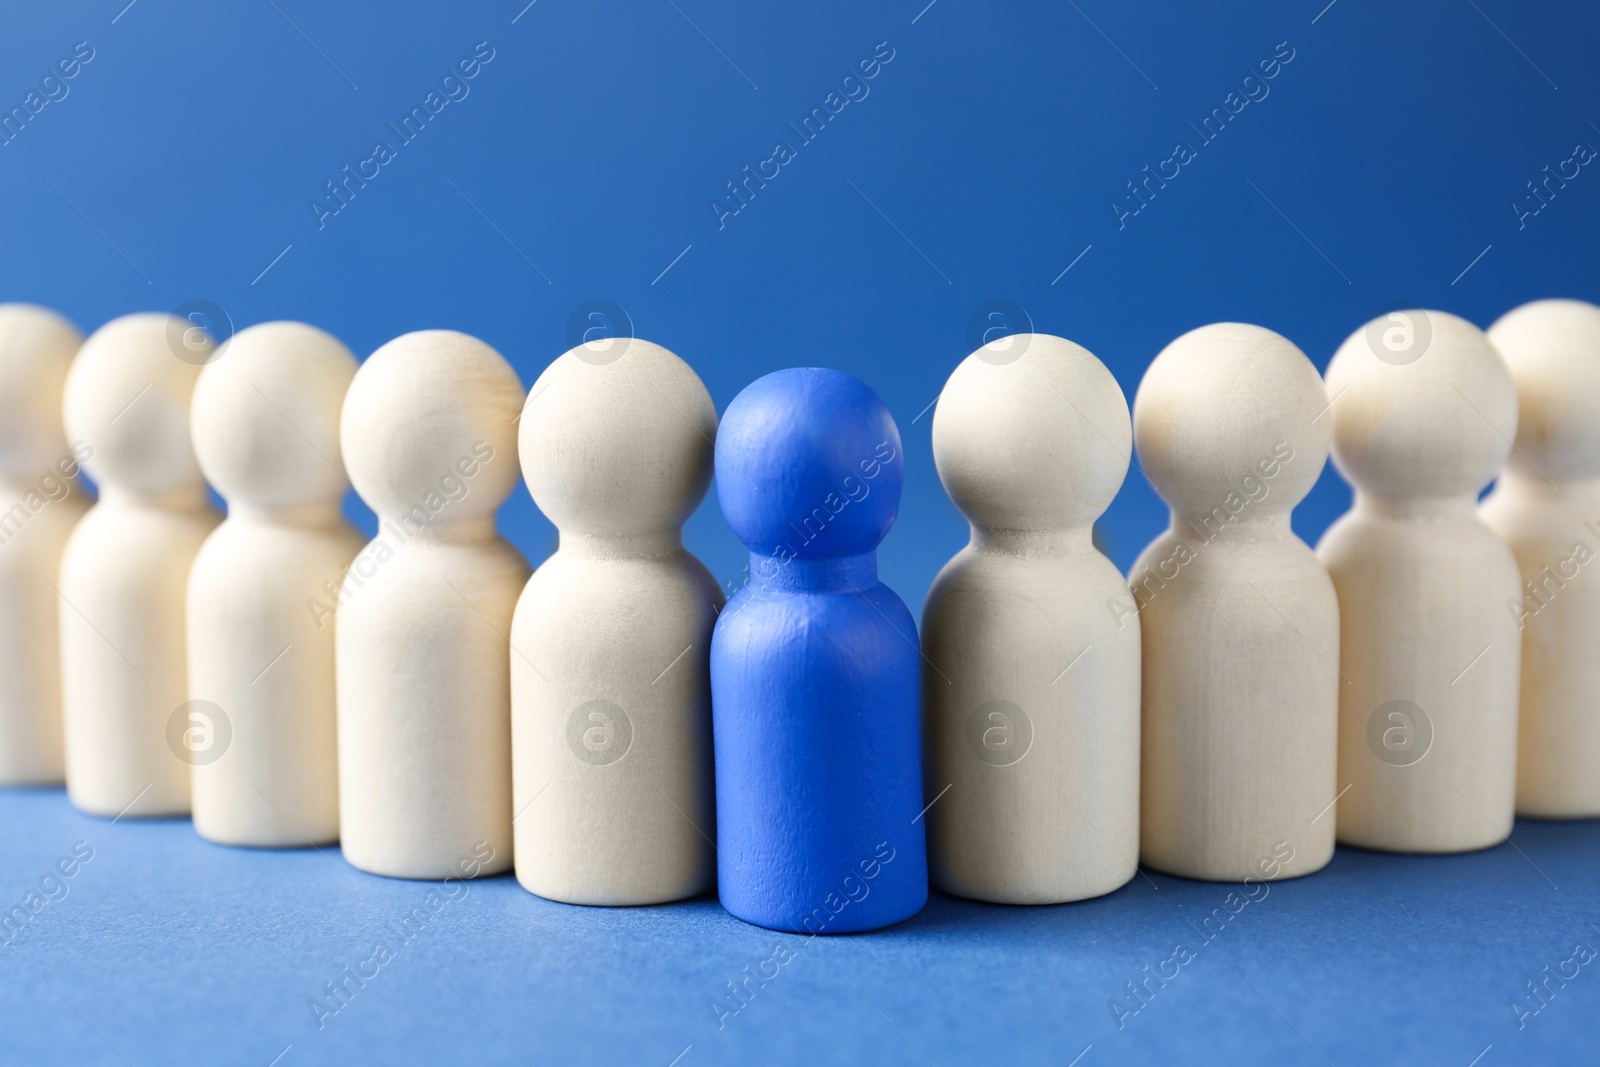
(611, 729)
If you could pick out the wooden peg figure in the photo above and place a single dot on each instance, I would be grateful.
(1240, 622)
(1424, 413)
(265, 419)
(424, 612)
(1031, 685)
(41, 500)
(610, 693)
(124, 574)
(1546, 505)
(815, 666)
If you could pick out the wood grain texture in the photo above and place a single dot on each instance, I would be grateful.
(265, 420)
(1240, 622)
(1031, 685)
(424, 688)
(610, 686)
(126, 567)
(1546, 505)
(41, 500)
(1424, 413)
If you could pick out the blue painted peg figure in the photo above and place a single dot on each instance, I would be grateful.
(815, 667)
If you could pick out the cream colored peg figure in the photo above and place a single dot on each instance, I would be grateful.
(1547, 507)
(41, 500)
(126, 567)
(610, 685)
(1031, 678)
(1424, 413)
(1241, 626)
(262, 733)
(424, 612)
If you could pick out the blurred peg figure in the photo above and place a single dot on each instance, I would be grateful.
(815, 666)
(1546, 505)
(126, 567)
(424, 613)
(1424, 413)
(1031, 686)
(265, 420)
(610, 691)
(1240, 622)
(41, 500)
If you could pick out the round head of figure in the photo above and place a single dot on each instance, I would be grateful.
(265, 416)
(127, 399)
(1435, 425)
(809, 463)
(1040, 442)
(428, 429)
(36, 350)
(617, 447)
(1552, 348)
(1232, 416)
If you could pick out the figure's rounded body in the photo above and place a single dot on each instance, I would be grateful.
(424, 698)
(1442, 780)
(1557, 610)
(1237, 756)
(814, 682)
(1007, 830)
(31, 746)
(277, 785)
(585, 837)
(124, 651)
(610, 693)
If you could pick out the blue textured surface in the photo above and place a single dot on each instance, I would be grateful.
(173, 950)
(815, 668)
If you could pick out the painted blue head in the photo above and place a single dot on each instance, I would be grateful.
(809, 464)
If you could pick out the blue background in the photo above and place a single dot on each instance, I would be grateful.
(1380, 170)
